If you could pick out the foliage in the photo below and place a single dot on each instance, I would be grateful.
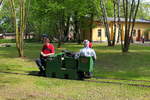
(6, 22)
(57, 17)
(13, 41)
(7, 41)
(144, 11)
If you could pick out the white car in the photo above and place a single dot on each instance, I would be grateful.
(1, 36)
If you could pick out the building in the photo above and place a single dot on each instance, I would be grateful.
(13, 36)
(142, 28)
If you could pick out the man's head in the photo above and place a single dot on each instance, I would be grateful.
(86, 43)
(46, 40)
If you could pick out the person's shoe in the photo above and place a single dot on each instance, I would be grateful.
(88, 75)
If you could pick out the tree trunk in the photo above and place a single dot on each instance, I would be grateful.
(119, 25)
(128, 20)
(107, 32)
(20, 32)
(114, 34)
(59, 42)
(77, 35)
(134, 17)
(91, 25)
(15, 23)
(66, 30)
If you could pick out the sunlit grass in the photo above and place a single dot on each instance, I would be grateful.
(111, 63)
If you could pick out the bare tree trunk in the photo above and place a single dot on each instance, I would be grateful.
(107, 32)
(114, 34)
(77, 35)
(128, 18)
(26, 20)
(60, 31)
(15, 23)
(126, 40)
(134, 17)
(21, 19)
(61, 25)
(119, 25)
(66, 30)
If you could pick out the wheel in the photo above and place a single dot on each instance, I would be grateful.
(81, 75)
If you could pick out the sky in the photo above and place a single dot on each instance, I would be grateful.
(145, 0)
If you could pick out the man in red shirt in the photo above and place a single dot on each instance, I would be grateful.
(90, 45)
(47, 50)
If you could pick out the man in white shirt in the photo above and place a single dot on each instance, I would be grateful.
(86, 51)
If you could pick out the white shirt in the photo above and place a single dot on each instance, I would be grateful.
(87, 52)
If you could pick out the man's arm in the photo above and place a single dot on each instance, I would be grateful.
(94, 54)
(45, 55)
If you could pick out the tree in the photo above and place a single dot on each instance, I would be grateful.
(115, 24)
(130, 12)
(6, 24)
(144, 10)
(19, 16)
(119, 24)
(56, 17)
(105, 21)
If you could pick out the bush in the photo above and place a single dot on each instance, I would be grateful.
(7, 40)
(14, 41)
(30, 40)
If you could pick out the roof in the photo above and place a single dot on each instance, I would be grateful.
(9, 34)
(123, 20)
(136, 20)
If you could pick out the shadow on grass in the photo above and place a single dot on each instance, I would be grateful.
(32, 73)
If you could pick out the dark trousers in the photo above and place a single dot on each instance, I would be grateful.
(41, 63)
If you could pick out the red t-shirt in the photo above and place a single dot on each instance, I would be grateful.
(90, 45)
(48, 48)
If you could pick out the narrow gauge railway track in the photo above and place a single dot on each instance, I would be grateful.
(118, 83)
(121, 79)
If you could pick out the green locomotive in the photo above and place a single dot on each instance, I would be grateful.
(63, 66)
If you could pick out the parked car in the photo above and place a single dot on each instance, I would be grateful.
(1, 36)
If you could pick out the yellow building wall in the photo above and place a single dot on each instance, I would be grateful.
(95, 36)
(138, 26)
(141, 26)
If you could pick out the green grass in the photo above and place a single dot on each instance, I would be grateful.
(110, 65)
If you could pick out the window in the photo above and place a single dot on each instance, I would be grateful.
(105, 34)
(134, 32)
(99, 33)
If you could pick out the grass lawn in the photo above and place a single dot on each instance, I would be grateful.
(111, 66)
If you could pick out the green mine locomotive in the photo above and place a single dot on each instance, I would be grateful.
(62, 65)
